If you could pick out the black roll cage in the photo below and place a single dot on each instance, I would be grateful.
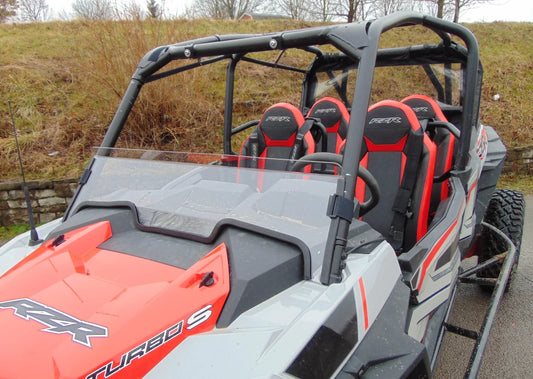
(358, 46)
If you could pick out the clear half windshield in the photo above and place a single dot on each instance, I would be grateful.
(194, 194)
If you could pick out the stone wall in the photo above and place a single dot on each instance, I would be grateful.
(519, 160)
(49, 200)
(50, 197)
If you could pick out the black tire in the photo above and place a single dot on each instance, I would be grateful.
(506, 211)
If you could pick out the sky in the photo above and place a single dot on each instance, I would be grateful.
(174, 7)
(500, 10)
(496, 10)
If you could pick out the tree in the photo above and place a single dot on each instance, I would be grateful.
(294, 9)
(129, 11)
(384, 7)
(33, 10)
(154, 10)
(352, 10)
(464, 4)
(446, 9)
(438, 8)
(233, 9)
(8, 8)
(322, 10)
(93, 9)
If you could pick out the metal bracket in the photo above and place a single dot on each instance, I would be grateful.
(339, 206)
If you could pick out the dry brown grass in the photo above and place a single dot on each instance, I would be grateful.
(507, 56)
(65, 80)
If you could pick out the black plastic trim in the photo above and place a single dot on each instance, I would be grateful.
(330, 344)
(214, 233)
(386, 350)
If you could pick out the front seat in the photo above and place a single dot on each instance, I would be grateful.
(402, 159)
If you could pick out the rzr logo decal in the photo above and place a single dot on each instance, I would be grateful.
(385, 120)
(126, 359)
(111, 368)
(56, 321)
(278, 119)
(420, 109)
(326, 110)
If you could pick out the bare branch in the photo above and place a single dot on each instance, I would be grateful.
(33, 10)
(93, 9)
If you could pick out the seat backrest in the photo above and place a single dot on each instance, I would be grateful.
(333, 114)
(428, 109)
(401, 157)
(276, 137)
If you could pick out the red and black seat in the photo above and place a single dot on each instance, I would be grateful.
(402, 158)
(333, 114)
(428, 110)
(279, 139)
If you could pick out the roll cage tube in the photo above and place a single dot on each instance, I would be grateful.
(334, 254)
(230, 89)
(359, 42)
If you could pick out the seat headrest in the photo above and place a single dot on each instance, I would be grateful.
(389, 121)
(424, 107)
(281, 121)
(332, 113)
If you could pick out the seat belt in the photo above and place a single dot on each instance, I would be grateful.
(254, 148)
(298, 142)
(402, 202)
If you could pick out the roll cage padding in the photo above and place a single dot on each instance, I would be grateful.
(277, 136)
(402, 159)
(427, 109)
(333, 114)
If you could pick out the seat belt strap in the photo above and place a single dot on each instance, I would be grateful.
(254, 148)
(402, 202)
(297, 148)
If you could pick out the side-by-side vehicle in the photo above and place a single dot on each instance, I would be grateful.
(323, 238)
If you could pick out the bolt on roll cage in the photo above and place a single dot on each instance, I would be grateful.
(358, 46)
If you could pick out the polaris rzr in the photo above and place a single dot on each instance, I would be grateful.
(322, 239)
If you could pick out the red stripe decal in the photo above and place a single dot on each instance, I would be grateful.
(363, 297)
(433, 253)
(470, 191)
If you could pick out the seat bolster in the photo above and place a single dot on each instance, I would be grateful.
(428, 163)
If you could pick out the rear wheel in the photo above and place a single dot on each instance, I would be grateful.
(506, 211)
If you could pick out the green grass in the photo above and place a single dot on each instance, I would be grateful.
(9, 232)
(520, 182)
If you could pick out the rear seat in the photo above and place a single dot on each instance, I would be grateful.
(428, 110)
(333, 114)
(280, 136)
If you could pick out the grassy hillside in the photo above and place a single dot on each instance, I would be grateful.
(65, 80)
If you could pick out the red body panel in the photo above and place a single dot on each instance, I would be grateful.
(147, 308)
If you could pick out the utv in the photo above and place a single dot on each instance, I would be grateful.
(323, 239)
